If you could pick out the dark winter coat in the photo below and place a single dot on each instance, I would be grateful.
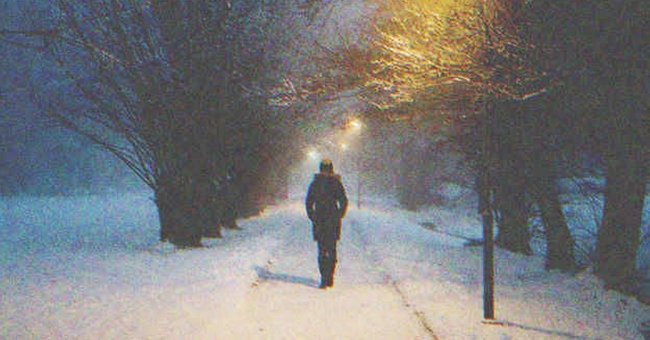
(326, 205)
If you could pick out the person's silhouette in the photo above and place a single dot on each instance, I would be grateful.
(326, 205)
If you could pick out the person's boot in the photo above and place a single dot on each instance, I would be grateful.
(323, 275)
(326, 279)
(330, 281)
(323, 283)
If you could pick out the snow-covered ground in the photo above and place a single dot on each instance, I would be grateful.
(91, 267)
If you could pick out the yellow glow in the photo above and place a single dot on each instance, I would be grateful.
(355, 124)
(344, 146)
(433, 48)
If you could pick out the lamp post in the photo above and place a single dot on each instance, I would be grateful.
(355, 126)
(485, 209)
(358, 181)
(357, 166)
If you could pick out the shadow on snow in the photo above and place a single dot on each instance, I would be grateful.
(266, 275)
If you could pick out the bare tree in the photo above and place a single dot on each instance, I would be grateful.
(598, 49)
(185, 93)
(465, 58)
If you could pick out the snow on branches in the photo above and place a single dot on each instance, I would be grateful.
(444, 51)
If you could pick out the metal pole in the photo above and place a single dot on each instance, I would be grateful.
(485, 209)
(358, 182)
(488, 267)
(486, 190)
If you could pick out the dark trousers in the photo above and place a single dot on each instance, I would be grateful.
(327, 260)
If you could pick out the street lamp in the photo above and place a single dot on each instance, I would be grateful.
(355, 125)
(313, 154)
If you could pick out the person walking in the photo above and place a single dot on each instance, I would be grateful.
(326, 206)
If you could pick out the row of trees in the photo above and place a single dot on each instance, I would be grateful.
(529, 87)
(199, 99)
(191, 95)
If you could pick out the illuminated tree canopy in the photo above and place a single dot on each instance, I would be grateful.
(443, 51)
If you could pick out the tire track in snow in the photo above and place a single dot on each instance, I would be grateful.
(388, 278)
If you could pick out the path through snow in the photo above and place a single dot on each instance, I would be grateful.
(90, 267)
(364, 304)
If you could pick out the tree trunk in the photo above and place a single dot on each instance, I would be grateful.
(509, 180)
(619, 234)
(178, 221)
(403, 188)
(210, 207)
(414, 186)
(510, 201)
(559, 241)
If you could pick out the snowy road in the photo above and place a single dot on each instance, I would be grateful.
(90, 267)
(283, 300)
(364, 304)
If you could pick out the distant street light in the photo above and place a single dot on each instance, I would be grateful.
(355, 124)
(313, 154)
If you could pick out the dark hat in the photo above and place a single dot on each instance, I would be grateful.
(326, 165)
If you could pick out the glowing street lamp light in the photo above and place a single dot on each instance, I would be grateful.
(313, 154)
(355, 124)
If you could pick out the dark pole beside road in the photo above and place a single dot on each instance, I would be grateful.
(485, 209)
